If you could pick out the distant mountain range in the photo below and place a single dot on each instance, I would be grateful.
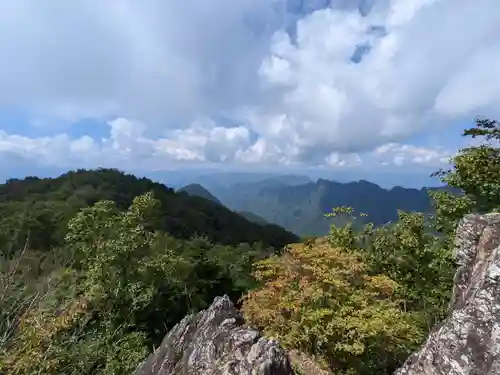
(298, 204)
(210, 178)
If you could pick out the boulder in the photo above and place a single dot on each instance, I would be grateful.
(468, 341)
(216, 341)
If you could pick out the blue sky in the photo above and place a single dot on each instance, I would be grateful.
(363, 88)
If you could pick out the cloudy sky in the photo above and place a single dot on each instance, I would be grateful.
(158, 84)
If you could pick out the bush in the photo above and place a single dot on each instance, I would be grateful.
(320, 299)
(409, 252)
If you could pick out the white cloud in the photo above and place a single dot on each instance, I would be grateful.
(127, 146)
(429, 68)
(336, 159)
(404, 154)
(205, 141)
(176, 66)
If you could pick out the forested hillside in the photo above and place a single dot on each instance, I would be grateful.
(96, 266)
(107, 249)
(44, 206)
(250, 216)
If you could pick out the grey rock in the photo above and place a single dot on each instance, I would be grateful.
(468, 341)
(216, 341)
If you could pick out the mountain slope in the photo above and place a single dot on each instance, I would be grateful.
(182, 215)
(250, 216)
(196, 190)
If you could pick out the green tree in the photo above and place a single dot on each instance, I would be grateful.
(92, 322)
(475, 173)
(121, 287)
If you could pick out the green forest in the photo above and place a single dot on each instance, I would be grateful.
(97, 265)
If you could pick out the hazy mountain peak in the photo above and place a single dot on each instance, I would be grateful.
(197, 190)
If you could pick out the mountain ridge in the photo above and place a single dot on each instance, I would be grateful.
(183, 215)
(300, 208)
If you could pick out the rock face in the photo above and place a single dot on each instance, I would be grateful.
(468, 341)
(216, 342)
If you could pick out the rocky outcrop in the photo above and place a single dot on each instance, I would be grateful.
(216, 342)
(468, 341)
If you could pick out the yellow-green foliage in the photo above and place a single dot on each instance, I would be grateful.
(40, 330)
(320, 300)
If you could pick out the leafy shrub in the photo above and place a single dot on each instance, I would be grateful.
(321, 300)
(409, 252)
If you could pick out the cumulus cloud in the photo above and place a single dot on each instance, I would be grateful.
(425, 68)
(127, 146)
(404, 154)
(312, 81)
